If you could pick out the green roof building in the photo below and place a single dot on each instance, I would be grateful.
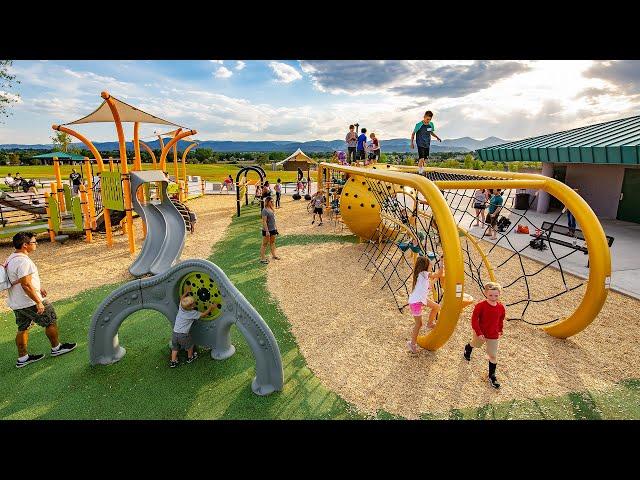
(602, 161)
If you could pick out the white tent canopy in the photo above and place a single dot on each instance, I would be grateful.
(127, 114)
(298, 155)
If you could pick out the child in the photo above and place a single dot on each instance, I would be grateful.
(495, 205)
(421, 168)
(318, 202)
(352, 140)
(422, 133)
(486, 321)
(184, 319)
(420, 297)
(278, 189)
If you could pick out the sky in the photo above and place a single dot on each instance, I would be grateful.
(317, 100)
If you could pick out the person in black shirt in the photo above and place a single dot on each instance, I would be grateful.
(76, 181)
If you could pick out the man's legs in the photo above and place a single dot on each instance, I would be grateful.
(52, 334)
(22, 341)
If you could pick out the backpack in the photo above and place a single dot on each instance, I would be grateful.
(538, 244)
(5, 283)
(503, 224)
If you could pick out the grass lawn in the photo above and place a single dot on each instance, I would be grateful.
(214, 172)
(141, 386)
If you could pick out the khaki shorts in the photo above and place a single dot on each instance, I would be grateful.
(492, 345)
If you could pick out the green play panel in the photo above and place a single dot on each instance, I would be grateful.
(205, 290)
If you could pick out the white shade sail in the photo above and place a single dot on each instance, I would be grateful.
(127, 114)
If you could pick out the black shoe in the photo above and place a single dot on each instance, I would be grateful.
(173, 364)
(467, 353)
(191, 359)
(64, 348)
(30, 359)
(494, 382)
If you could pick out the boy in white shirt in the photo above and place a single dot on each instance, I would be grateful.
(181, 336)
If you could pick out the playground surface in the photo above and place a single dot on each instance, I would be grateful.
(341, 337)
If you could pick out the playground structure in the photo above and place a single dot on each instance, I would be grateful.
(394, 209)
(118, 189)
(241, 187)
(209, 285)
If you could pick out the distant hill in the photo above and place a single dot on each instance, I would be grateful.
(464, 144)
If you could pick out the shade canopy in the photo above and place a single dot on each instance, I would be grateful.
(298, 156)
(60, 156)
(127, 113)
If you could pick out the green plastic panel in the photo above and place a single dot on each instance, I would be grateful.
(54, 213)
(112, 196)
(67, 197)
(76, 209)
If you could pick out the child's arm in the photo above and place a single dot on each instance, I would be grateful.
(187, 291)
(413, 136)
(475, 320)
(207, 311)
(501, 323)
(433, 134)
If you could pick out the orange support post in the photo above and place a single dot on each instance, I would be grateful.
(137, 162)
(171, 143)
(124, 170)
(52, 235)
(184, 168)
(150, 152)
(85, 213)
(90, 201)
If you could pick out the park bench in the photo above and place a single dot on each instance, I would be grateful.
(567, 232)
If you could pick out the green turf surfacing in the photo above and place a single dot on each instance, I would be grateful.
(141, 386)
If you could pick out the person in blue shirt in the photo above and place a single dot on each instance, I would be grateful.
(495, 205)
(360, 147)
(422, 133)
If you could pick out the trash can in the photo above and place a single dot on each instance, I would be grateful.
(522, 201)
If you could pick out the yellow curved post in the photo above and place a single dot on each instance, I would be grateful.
(52, 235)
(90, 200)
(150, 152)
(124, 170)
(60, 195)
(175, 165)
(595, 238)
(112, 167)
(453, 282)
(184, 168)
(86, 215)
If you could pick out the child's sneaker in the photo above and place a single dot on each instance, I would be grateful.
(412, 348)
(191, 359)
(30, 359)
(173, 364)
(320, 224)
(312, 222)
(494, 382)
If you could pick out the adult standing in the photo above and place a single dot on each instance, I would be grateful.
(495, 205)
(28, 301)
(269, 230)
(360, 147)
(76, 180)
(480, 203)
(352, 141)
(231, 183)
(266, 189)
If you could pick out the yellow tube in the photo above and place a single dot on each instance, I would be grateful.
(85, 214)
(90, 200)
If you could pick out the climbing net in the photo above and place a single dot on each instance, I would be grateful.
(530, 266)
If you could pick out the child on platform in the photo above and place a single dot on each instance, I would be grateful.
(419, 297)
(181, 336)
(486, 321)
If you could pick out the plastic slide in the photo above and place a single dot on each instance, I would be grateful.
(165, 227)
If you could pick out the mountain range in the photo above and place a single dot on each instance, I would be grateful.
(464, 144)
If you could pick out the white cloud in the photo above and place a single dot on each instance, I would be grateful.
(223, 72)
(240, 65)
(217, 61)
(285, 73)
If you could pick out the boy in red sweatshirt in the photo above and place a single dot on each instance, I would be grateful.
(486, 321)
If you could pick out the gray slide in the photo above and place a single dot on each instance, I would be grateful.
(162, 293)
(20, 201)
(165, 227)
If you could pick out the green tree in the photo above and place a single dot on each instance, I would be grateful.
(61, 141)
(6, 83)
(468, 161)
(14, 158)
(203, 154)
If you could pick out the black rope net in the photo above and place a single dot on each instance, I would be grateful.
(529, 266)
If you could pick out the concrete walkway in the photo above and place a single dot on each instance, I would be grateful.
(625, 260)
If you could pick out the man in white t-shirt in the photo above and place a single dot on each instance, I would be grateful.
(27, 300)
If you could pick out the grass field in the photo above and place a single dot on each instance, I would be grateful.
(141, 386)
(215, 172)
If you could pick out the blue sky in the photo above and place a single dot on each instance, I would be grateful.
(309, 100)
